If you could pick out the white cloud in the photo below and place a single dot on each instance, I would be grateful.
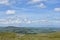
(27, 21)
(10, 12)
(39, 3)
(15, 20)
(20, 20)
(5, 2)
(42, 5)
(53, 1)
(35, 1)
(3, 21)
(9, 21)
(57, 9)
(40, 21)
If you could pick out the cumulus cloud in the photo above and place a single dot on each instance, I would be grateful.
(8, 2)
(42, 5)
(57, 9)
(10, 12)
(9, 21)
(39, 3)
(27, 21)
(19, 20)
(15, 20)
(37, 0)
(5, 2)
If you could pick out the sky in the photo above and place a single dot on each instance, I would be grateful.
(30, 13)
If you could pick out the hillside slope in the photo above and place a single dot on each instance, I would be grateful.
(15, 36)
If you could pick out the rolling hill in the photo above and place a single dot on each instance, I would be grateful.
(30, 30)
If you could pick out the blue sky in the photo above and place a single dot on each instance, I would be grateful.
(30, 13)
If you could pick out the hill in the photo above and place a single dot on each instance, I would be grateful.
(30, 30)
(16, 36)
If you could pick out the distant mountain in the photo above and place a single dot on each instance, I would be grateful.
(29, 30)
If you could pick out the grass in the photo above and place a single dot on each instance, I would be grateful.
(16, 36)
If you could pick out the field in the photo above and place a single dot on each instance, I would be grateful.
(42, 36)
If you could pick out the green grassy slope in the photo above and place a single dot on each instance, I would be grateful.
(15, 36)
